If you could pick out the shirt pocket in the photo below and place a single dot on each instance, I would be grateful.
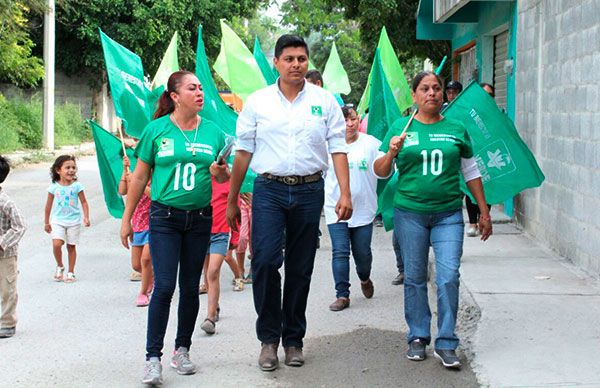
(314, 130)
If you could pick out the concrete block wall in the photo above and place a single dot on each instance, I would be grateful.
(558, 116)
(77, 91)
(74, 90)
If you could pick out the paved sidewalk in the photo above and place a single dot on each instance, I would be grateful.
(540, 316)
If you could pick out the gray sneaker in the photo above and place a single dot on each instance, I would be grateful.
(398, 280)
(416, 350)
(181, 362)
(208, 326)
(448, 357)
(153, 372)
(7, 332)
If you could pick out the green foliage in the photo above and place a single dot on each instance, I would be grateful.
(399, 18)
(17, 64)
(69, 126)
(21, 125)
(144, 27)
(324, 23)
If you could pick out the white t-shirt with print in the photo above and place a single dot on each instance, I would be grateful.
(363, 183)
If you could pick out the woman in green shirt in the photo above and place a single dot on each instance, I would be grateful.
(430, 152)
(178, 149)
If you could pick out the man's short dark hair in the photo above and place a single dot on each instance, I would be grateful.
(288, 40)
(313, 76)
(4, 168)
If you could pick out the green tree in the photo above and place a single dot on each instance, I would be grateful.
(145, 27)
(17, 64)
(399, 18)
(322, 23)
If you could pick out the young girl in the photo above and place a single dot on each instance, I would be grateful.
(140, 248)
(64, 195)
(217, 253)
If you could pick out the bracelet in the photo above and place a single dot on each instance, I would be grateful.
(488, 218)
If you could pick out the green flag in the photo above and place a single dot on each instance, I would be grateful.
(266, 70)
(110, 163)
(393, 72)
(441, 66)
(168, 65)
(383, 110)
(236, 65)
(335, 78)
(214, 108)
(134, 103)
(507, 166)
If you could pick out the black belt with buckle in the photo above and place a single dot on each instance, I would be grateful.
(293, 180)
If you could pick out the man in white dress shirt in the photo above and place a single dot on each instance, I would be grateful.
(285, 132)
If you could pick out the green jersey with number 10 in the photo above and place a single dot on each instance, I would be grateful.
(180, 175)
(429, 165)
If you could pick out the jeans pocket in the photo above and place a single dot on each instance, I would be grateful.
(315, 186)
(160, 213)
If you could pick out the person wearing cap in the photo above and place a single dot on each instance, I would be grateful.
(453, 89)
(285, 133)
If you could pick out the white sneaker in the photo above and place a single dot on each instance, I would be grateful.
(153, 372)
(182, 363)
(472, 231)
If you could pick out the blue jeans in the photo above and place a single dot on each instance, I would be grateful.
(276, 208)
(398, 254)
(343, 239)
(178, 238)
(415, 234)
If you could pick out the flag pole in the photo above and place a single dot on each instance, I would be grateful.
(409, 121)
(122, 141)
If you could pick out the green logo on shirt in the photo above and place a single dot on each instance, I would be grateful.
(316, 110)
(166, 147)
(412, 139)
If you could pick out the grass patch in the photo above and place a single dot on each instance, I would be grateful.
(21, 125)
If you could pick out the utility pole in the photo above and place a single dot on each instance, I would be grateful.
(49, 55)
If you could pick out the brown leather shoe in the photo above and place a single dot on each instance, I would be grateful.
(268, 361)
(293, 356)
(339, 304)
(367, 289)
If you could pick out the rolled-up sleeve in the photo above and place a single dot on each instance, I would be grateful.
(17, 226)
(246, 128)
(336, 128)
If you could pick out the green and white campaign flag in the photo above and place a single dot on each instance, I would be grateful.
(168, 65)
(214, 108)
(110, 163)
(134, 103)
(383, 110)
(506, 164)
(335, 78)
(236, 65)
(267, 71)
(393, 72)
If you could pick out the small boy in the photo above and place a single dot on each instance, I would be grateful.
(12, 228)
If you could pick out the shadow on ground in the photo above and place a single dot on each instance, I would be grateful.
(369, 358)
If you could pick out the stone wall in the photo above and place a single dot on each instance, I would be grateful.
(558, 116)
